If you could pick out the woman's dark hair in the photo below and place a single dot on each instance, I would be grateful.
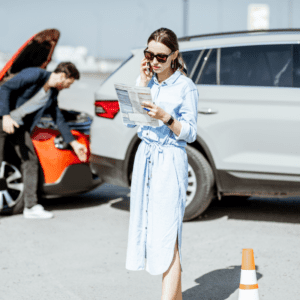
(69, 69)
(168, 38)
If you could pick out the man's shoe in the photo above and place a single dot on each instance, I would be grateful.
(37, 212)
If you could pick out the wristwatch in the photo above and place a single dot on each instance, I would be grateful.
(171, 120)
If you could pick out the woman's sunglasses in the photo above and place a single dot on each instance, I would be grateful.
(162, 58)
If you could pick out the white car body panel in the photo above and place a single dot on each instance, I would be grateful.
(255, 128)
(111, 138)
(115, 136)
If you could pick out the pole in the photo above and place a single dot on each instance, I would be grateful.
(290, 13)
(220, 15)
(185, 17)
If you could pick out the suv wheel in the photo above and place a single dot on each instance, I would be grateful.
(11, 188)
(200, 191)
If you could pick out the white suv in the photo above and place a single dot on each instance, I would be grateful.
(248, 139)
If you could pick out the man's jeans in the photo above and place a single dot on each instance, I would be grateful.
(23, 146)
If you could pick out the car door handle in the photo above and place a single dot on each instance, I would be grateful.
(207, 111)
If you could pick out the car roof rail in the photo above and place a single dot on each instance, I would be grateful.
(188, 38)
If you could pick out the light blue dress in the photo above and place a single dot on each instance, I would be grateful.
(160, 178)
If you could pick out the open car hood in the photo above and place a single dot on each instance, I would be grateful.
(35, 52)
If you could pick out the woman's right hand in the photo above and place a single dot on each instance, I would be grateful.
(145, 76)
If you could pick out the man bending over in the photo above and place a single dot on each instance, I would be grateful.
(24, 99)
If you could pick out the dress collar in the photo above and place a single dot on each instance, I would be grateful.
(169, 80)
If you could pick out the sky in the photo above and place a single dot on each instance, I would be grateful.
(111, 28)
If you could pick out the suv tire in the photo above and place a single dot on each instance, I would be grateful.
(14, 190)
(201, 184)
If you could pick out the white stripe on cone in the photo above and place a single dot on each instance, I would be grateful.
(248, 277)
(248, 294)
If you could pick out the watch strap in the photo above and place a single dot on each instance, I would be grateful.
(170, 121)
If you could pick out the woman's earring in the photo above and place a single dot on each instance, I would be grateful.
(172, 64)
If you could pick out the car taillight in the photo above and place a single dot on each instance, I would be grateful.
(106, 109)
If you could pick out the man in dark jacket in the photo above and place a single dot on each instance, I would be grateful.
(24, 99)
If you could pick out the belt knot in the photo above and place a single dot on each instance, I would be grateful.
(149, 147)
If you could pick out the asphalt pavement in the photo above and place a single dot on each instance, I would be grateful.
(81, 253)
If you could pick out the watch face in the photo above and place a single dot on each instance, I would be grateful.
(170, 121)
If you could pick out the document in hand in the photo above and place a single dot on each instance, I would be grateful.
(130, 101)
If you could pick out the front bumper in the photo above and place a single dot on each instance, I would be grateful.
(75, 179)
(112, 171)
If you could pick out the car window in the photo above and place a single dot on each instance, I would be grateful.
(189, 58)
(205, 71)
(266, 65)
(296, 69)
(209, 73)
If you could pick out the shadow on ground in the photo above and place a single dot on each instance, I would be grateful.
(216, 285)
(106, 193)
(286, 210)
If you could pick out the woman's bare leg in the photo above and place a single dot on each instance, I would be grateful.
(171, 282)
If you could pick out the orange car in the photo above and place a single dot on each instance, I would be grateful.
(61, 172)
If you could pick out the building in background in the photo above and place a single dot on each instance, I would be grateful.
(77, 55)
(258, 16)
(84, 62)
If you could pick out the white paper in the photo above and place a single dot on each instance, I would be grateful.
(130, 101)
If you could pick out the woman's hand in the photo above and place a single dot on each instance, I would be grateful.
(145, 77)
(156, 112)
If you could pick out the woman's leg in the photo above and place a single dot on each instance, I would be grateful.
(171, 282)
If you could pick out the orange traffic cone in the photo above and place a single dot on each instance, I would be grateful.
(248, 284)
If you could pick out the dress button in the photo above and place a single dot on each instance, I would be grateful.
(149, 162)
(146, 227)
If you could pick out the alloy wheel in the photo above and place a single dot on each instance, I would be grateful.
(11, 185)
(192, 185)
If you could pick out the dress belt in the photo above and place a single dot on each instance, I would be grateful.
(150, 145)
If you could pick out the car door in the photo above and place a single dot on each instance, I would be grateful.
(249, 107)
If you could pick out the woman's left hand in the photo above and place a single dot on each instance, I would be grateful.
(156, 112)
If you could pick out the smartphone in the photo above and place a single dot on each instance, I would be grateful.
(149, 68)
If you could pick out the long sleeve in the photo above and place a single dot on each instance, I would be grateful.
(33, 104)
(188, 117)
(59, 120)
(25, 78)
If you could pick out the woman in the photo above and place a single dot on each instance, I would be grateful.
(160, 171)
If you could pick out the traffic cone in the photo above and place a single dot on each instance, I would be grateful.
(248, 283)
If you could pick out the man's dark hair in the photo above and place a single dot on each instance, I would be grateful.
(69, 69)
